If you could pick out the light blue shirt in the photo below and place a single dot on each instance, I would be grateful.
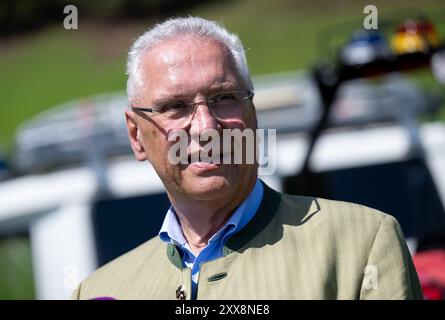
(171, 232)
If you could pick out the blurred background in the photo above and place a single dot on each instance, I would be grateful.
(359, 116)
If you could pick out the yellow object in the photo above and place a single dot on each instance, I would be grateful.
(408, 42)
(415, 36)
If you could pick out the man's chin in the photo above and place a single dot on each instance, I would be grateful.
(208, 187)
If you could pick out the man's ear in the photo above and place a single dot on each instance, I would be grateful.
(134, 135)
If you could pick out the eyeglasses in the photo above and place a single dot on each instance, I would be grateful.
(224, 106)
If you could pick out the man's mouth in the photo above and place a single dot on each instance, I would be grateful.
(203, 157)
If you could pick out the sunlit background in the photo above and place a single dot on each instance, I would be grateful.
(71, 196)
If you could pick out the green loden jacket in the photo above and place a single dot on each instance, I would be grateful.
(294, 248)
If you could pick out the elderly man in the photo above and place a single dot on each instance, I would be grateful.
(228, 235)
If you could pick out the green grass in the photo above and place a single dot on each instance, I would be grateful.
(55, 65)
(49, 69)
(16, 278)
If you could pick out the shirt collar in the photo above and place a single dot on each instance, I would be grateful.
(171, 231)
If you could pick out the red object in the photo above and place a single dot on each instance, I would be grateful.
(430, 266)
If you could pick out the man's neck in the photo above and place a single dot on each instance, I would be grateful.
(200, 220)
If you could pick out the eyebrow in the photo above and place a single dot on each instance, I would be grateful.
(229, 86)
(166, 98)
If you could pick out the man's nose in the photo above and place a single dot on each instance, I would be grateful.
(202, 119)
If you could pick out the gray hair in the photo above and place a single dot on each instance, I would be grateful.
(171, 28)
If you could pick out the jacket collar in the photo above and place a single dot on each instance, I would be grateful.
(268, 208)
(266, 211)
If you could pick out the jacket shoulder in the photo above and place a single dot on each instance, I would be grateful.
(348, 213)
(347, 227)
(113, 276)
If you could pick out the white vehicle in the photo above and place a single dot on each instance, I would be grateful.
(85, 200)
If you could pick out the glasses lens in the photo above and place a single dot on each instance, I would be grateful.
(230, 105)
(173, 114)
(224, 106)
(173, 109)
